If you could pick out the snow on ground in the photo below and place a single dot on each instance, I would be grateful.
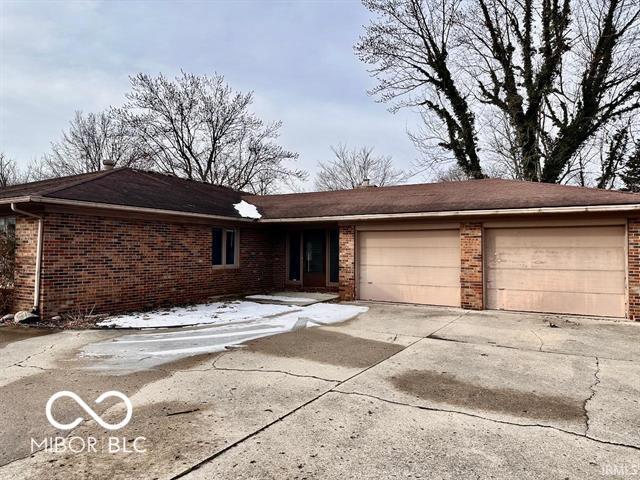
(148, 349)
(247, 210)
(218, 313)
(280, 298)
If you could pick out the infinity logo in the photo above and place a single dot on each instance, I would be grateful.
(89, 410)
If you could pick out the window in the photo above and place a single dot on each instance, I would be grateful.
(224, 249)
(8, 225)
(230, 254)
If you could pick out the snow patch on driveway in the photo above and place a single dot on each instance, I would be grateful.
(207, 313)
(148, 349)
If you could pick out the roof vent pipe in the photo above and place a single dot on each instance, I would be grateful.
(108, 164)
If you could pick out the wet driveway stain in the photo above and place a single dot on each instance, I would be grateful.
(15, 333)
(22, 409)
(326, 347)
(446, 388)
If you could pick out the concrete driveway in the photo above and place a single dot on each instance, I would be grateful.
(400, 391)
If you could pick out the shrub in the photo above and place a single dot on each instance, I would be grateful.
(7, 268)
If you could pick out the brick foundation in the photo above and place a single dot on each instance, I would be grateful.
(112, 265)
(347, 278)
(633, 252)
(471, 276)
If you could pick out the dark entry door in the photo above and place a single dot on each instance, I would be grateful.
(313, 259)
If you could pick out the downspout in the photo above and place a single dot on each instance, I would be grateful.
(36, 288)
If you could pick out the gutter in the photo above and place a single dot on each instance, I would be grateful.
(462, 213)
(128, 208)
(36, 287)
(356, 217)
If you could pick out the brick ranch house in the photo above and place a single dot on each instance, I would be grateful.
(122, 239)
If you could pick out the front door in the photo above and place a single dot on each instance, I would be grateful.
(313, 259)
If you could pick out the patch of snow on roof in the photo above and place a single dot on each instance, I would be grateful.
(247, 210)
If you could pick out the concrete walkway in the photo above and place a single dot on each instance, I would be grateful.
(400, 391)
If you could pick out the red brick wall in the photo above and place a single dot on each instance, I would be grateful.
(471, 278)
(111, 265)
(25, 263)
(347, 262)
(633, 236)
(280, 259)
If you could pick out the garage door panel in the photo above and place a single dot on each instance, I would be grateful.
(408, 238)
(577, 270)
(579, 258)
(555, 280)
(413, 256)
(415, 266)
(402, 275)
(556, 237)
(557, 302)
(446, 296)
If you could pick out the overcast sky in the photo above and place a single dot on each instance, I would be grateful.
(297, 57)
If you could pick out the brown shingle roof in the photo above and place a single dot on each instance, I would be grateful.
(487, 194)
(125, 186)
(128, 187)
(44, 186)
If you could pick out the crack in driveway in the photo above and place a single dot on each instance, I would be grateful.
(260, 370)
(299, 407)
(539, 339)
(28, 357)
(432, 336)
(592, 387)
(335, 388)
(474, 415)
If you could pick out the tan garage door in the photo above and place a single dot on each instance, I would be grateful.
(410, 266)
(564, 270)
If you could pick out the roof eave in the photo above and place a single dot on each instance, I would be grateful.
(462, 213)
(621, 208)
(124, 208)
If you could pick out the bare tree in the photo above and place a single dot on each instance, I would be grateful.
(197, 127)
(37, 170)
(9, 173)
(631, 172)
(452, 174)
(557, 71)
(408, 47)
(613, 159)
(350, 167)
(90, 140)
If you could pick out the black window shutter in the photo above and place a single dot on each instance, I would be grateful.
(216, 246)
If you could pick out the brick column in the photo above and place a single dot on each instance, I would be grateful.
(347, 262)
(25, 263)
(633, 253)
(471, 278)
(279, 259)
